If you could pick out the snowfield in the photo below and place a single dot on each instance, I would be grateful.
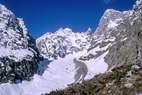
(58, 75)
(19, 54)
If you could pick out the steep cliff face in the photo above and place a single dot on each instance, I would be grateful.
(109, 22)
(127, 51)
(18, 53)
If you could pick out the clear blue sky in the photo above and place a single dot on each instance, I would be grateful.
(43, 16)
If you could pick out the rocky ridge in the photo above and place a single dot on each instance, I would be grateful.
(18, 53)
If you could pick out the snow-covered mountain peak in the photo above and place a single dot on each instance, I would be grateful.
(62, 42)
(5, 16)
(67, 30)
(109, 22)
(64, 31)
(111, 14)
(5, 11)
(138, 2)
(110, 11)
(138, 8)
(89, 30)
(3, 8)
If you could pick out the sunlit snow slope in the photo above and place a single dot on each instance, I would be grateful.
(59, 74)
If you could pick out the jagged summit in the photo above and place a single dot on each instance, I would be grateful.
(108, 12)
(138, 5)
(137, 9)
(3, 8)
(89, 30)
(62, 42)
(67, 30)
(64, 31)
(110, 22)
(5, 12)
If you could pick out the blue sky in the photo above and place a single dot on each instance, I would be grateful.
(43, 16)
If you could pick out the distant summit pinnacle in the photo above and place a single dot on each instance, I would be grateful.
(2, 7)
(138, 5)
(64, 31)
(89, 30)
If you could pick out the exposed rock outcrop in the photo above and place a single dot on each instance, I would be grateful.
(18, 53)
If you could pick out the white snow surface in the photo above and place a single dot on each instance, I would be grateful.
(13, 37)
(112, 24)
(59, 74)
(19, 54)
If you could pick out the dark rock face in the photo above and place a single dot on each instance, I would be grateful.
(18, 53)
(16, 71)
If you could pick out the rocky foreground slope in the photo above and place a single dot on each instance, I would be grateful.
(123, 80)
